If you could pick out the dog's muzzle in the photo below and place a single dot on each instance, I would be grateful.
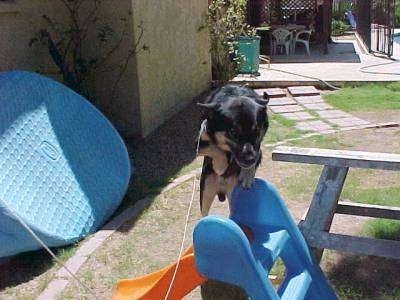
(248, 157)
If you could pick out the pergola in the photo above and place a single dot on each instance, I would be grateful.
(315, 14)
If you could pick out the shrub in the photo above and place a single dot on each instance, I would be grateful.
(397, 15)
(65, 42)
(338, 27)
(339, 8)
(226, 21)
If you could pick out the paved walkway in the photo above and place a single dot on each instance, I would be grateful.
(305, 105)
(370, 69)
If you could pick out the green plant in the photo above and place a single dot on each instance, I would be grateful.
(397, 15)
(339, 8)
(67, 42)
(226, 21)
(338, 27)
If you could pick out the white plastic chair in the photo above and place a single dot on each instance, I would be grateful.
(302, 37)
(281, 37)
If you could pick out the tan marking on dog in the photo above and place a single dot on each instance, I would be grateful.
(222, 141)
(229, 184)
(205, 136)
(209, 193)
(219, 158)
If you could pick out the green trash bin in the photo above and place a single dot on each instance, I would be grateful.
(247, 50)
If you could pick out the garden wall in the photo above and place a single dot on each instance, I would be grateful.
(19, 20)
(177, 65)
(157, 82)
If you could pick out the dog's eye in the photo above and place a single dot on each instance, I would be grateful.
(232, 132)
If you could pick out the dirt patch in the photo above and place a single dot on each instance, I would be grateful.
(381, 117)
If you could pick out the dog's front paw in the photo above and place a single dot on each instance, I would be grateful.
(246, 177)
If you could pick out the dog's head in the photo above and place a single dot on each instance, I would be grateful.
(237, 122)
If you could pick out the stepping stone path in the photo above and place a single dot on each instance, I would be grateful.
(331, 114)
(281, 101)
(298, 116)
(272, 92)
(305, 105)
(309, 99)
(286, 108)
(303, 91)
(317, 106)
(315, 125)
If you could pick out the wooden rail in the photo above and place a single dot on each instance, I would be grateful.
(325, 202)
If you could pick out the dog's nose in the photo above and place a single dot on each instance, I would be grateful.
(248, 152)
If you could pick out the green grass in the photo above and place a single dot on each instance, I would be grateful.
(320, 141)
(368, 97)
(280, 129)
(383, 229)
(373, 195)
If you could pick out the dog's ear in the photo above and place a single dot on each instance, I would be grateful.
(263, 101)
(266, 98)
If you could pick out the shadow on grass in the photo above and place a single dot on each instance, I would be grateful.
(26, 266)
(212, 289)
(366, 277)
(159, 157)
(23, 267)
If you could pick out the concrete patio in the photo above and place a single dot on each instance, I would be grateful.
(371, 68)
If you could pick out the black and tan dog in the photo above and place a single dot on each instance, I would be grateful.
(235, 124)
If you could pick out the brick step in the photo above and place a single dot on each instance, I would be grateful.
(303, 91)
(271, 92)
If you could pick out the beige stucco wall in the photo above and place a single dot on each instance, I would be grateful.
(177, 66)
(122, 107)
(19, 21)
(157, 82)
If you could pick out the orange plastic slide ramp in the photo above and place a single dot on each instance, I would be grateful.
(155, 285)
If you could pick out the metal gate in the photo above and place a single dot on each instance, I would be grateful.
(376, 24)
(382, 26)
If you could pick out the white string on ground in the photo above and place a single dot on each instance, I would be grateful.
(202, 129)
(37, 239)
(183, 240)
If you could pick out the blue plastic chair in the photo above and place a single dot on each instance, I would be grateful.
(64, 169)
(224, 253)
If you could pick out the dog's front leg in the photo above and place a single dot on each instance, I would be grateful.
(208, 191)
(246, 177)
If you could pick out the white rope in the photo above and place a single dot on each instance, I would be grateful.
(202, 129)
(37, 239)
(183, 240)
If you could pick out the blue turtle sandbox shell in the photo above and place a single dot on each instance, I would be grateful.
(64, 169)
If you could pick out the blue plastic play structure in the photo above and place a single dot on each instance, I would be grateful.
(64, 169)
(224, 253)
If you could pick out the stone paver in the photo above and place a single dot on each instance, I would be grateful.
(303, 90)
(317, 125)
(298, 116)
(309, 99)
(348, 122)
(333, 114)
(281, 101)
(303, 98)
(271, 92)
(317, 106)
(286, 108)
